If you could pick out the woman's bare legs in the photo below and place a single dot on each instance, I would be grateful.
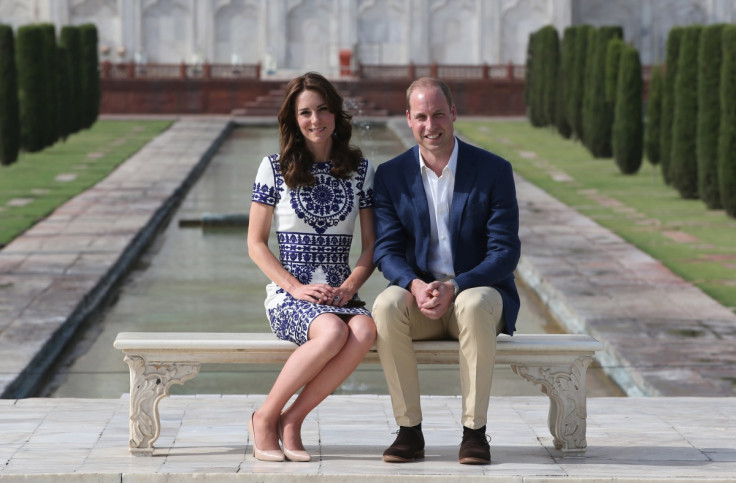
(328, 337)
(361, 336)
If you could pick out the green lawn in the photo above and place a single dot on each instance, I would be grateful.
(696, 243)
(39, 182)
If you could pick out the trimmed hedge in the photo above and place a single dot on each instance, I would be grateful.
(575, 100)
(49, 62)
(709, 114)
(70, 38)
(628, 127)
(550, 45)
(536, 83)
(588, 92)
(9, 113)
(727, 137)
(528, 75)
(64, 89)
(90, 75)
(613, 57)
(654, 115)
(668, 100)
(683, 161)
(564, 82)
(541, 88)
(31, 87)
(597, 111)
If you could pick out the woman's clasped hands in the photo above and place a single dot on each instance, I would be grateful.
(322, 293)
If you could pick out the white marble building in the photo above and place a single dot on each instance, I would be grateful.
(288, 36)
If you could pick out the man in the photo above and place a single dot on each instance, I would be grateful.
(447, 240)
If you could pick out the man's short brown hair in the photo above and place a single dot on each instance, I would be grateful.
(428, 82)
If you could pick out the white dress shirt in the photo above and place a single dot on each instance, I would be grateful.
(439, 191)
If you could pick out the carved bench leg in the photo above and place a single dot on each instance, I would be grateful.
(149, 383)
(567, 402)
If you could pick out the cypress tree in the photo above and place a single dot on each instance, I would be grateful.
(654, 115)
(628, 128)
(537, 87)
(90, 74)
(564, 82)
(49, 63)
(575, 99)
(709, 114)
(598, 116)
(550, 65)
(589, 92)
(668, 100)
(535, 99)
(31, 87)
(683, 160)
(539, 117)
(613, 57)
(528, 79)
(64, 89)
(727, 136)
(9, 115)
(71, 40)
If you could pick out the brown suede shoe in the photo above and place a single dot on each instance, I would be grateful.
(408, 446)
(475, 450)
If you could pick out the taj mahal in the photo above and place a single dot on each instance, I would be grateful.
(287, 36)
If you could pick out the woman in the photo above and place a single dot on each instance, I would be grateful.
(313, 190)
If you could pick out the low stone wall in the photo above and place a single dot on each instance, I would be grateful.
(491, 97)
(179, 96)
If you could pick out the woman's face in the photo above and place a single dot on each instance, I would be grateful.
(316, 122)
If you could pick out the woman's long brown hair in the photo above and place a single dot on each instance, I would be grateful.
(295, 159)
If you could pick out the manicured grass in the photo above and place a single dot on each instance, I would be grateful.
(39, 182)
(696, 243)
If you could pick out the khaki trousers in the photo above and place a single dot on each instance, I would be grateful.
(474, 320)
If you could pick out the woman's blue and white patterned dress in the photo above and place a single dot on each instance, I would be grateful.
(314, 225)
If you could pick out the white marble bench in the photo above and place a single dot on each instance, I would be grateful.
(557, 362)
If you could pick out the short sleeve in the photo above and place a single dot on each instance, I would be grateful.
(366, 188)
(265, 189)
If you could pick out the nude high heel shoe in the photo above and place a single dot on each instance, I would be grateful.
(268, 455)
(292, 455)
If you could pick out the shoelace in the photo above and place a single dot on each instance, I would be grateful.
(488, 439)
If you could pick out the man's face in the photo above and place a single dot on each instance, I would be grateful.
(431, 120)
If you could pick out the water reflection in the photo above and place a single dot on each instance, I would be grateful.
(196, 279)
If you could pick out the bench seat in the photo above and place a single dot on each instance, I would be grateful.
(557, 362)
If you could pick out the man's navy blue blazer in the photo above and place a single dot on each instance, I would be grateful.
(484, 224)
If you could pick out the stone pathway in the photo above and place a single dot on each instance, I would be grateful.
(663, 336)
(59, 271)
(205, 438)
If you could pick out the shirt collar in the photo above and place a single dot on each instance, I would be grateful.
(451, 164)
